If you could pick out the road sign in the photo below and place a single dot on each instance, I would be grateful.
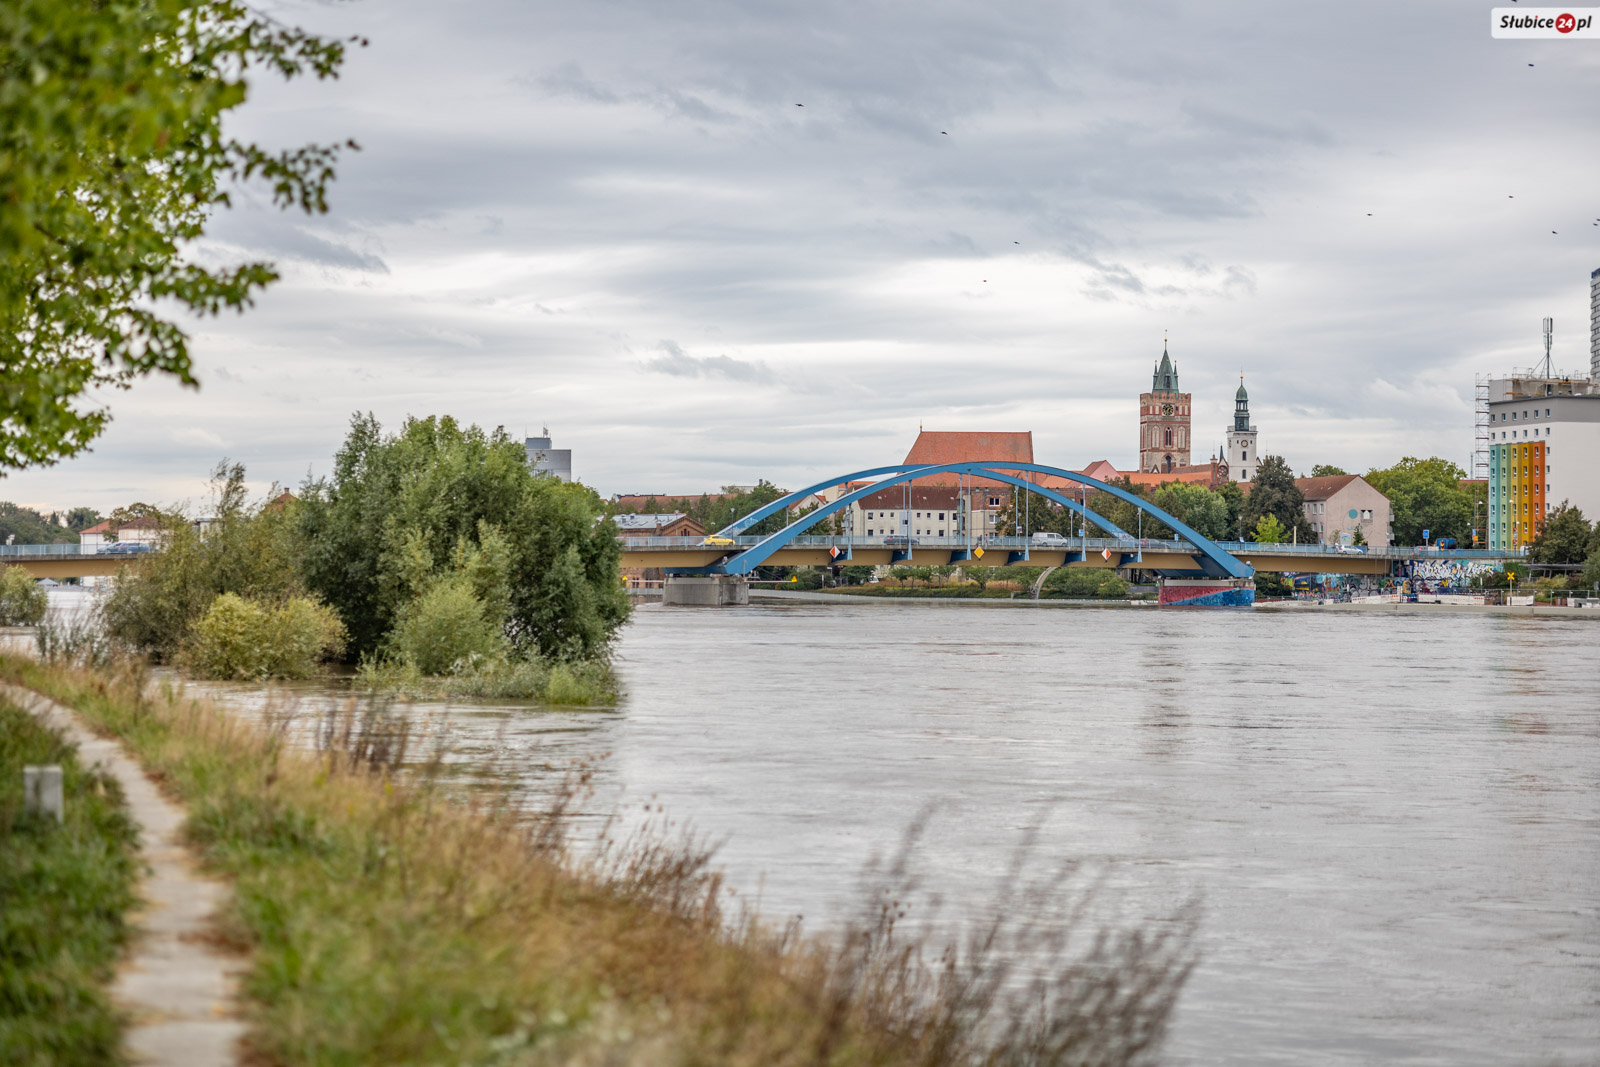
(833, 553)
(977, 553)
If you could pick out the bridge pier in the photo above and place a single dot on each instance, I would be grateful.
(1206, 592)
(706, 590)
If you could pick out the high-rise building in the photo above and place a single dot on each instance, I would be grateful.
(1542, 455)
(546, 460)
(1594, 325)
(1163, 420)
(1240, 449)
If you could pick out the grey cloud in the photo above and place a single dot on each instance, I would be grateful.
(1160, 166)
(676, 362)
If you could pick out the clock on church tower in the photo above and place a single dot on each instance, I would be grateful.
(1164, 420)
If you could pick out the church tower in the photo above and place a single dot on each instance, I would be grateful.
(1163, 420)
(1240, 451)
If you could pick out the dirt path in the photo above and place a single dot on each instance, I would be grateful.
(177, 989)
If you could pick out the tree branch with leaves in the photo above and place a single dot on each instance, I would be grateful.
(113, 158)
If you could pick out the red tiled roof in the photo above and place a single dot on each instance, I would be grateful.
(1193, 474)
(1323, 488)
(938, 447)
(97, 528)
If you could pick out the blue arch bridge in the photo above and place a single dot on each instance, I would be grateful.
(1191, 569)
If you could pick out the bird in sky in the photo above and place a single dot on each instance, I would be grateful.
(945, 132)
(1016, 242)
(1369, 214)
(799, 105)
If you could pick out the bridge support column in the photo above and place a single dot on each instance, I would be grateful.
(706, 590)
(1206, 592)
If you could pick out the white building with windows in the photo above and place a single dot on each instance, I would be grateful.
(1239, 451)
(1544, 451)
(1338, 505)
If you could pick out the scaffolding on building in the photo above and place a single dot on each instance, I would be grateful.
(1480, 426)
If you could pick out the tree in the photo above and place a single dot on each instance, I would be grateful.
(1425, 494)
(1326, 470)
(80, 519)
(1273, 492)
(1269, 530)
(401, 512)
(1564, 537)
(112, 156)
(24, 526)
(1196, 506)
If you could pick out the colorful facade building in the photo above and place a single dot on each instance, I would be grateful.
(1544, 452)
(1517, 495)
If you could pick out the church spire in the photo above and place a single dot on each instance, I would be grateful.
(1165, 379)
(1241, 407)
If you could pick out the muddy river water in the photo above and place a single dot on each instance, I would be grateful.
(1393, 820)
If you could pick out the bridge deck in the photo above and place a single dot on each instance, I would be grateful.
(692, 552)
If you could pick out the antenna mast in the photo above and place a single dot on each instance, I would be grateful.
(1549, 327)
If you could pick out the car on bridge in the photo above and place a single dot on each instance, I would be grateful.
(898, 540)
(715, 541)
(1050, 537)
(125, 548)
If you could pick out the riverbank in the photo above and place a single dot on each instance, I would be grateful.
(1021, 600)
(65, 893)
(389, 920)
(1391, 607)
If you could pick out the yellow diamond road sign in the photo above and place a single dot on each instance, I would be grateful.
(977, 553)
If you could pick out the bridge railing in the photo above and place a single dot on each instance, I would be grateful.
(1244, 549)
(69, 549)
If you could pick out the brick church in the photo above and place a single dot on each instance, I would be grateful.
(1164, 438)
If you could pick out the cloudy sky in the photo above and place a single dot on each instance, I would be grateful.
(613, 219)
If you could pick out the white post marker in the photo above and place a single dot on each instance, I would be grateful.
(41, 791)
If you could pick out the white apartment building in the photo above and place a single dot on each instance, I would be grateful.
(1544, 452)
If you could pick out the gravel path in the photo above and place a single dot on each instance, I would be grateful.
(177, 988)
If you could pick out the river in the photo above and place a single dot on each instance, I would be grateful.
(1393, 820)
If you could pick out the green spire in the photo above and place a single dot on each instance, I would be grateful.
(1165, 379)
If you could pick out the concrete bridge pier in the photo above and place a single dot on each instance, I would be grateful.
(1206, 592)
(706, 590)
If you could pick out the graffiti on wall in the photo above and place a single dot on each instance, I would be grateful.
(1439, 575)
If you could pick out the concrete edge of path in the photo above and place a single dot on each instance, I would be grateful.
(178, 989)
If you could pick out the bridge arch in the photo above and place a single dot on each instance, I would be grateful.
(1213, 560)
(913, 470)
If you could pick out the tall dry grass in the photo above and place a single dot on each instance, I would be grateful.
(393, 921)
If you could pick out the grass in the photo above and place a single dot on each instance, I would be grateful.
(580, 683)
(392, 922)
(64, 891)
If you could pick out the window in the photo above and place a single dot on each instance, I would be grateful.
(941, 516)
(1513, 416)
(869, 515)
(1169, 435)
(870, 533)
(1547, 413)
(1491, 416)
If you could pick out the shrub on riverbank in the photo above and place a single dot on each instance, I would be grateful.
(244, 639)
(580, 682)
(391, 923)
(247, 549)
(22, 602)
(64, 892)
